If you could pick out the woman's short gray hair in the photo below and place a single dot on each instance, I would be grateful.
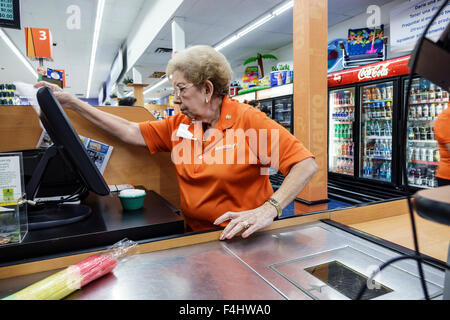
(200, 63)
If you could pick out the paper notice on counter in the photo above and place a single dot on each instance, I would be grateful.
(10, 179)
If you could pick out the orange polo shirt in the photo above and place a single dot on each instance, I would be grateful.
(228, 171)
(442, 135)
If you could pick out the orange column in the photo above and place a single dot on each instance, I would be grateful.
(310, 20)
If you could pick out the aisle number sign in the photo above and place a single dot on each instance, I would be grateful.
(39, 43)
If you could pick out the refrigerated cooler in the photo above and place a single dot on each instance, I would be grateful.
(364, 106)
(376, 123)
(374, 95)
(341, 120)
(282, 109)
(426, 103)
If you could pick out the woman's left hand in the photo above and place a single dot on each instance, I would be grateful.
(248, 221)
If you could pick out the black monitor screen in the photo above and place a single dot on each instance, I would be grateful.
(9, 14)
(63, 135)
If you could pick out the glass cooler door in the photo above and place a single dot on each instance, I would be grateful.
(341, 118)
(282, 112)
(268, 104)
(426, 103)
(376, 131)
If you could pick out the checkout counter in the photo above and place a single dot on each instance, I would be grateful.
(322, 254)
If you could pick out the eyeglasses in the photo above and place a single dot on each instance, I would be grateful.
(179, 90)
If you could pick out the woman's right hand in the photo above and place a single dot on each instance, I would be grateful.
(65, 99)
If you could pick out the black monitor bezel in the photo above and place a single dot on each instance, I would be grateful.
(62, 133)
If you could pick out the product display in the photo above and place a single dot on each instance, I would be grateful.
(426, 103)
(342, 117)
(376, 128)
(8, 95)
(63, 283)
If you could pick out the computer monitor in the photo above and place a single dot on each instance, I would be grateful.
(67, 145)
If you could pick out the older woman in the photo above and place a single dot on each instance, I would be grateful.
(221, 149)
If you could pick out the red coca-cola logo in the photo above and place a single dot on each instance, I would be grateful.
(378, 71)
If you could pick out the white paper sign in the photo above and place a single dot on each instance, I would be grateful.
(409, 20)
(10, 179)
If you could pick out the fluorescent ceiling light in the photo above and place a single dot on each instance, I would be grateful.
(16, 51)
(226, 42)
(160, 83)
(283, 8)
(98, 24)
(276, 12)
(255, 25)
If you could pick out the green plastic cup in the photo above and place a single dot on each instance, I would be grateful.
(132, 199)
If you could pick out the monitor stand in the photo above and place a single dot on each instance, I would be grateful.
(56, 215)
(51, 215)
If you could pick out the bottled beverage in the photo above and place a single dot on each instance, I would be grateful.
(423, 154)
(423, 133)
(370, 169)
(417, 177)
(430, 155)
(350, 149)
(388, 171)
(383, 171)
(419, 112)
(433, 111)
(389, 92)
(377, 129)
(425, 111)
(439, 110)
(411, 176)
(412, 112)
(377, 148)
(439, 93)
(383, 148)
(383, 93)
(436, 155)
(410, 154)
(431, 92)
(410, 133)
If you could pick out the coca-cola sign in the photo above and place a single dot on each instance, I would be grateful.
(380, 70)
(374, 72)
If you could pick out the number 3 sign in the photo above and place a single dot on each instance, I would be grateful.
(39, 43)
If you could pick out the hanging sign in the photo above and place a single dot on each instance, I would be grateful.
(39, 43)
(409, 20)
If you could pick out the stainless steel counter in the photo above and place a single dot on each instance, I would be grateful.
(268, 265)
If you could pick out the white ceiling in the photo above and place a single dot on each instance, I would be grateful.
(204, 22)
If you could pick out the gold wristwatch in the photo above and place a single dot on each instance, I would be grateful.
(276, 205)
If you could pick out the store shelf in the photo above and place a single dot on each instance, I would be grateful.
(343, 121)
(380, 119)
(282, 110)
(423, 119)
(345, 157)
(377, 158)
(377, 100)
(429, 101)
(423, 141)
(433, 163)
(378, 137)
(343, 105)
(343, 139)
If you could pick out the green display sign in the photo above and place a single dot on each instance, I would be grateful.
(10, 14)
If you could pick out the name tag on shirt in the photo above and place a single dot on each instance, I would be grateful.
(183, 132)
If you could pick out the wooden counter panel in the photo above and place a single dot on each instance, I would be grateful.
(20, 130)
(370, 212)
(433, 238)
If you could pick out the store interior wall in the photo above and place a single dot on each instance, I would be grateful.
(337, 31)
(340, 30)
